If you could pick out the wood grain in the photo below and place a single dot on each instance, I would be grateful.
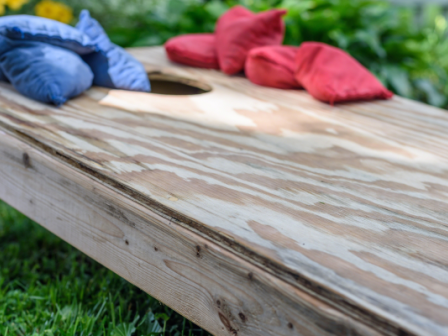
(348, 204)
(209, 285)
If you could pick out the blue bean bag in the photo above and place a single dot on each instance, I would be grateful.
(3, 77)
(112, 66)
(32, 28)
(39, 57)
(44, 72)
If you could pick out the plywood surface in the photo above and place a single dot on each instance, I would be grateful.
(348, 204)
(206, 283)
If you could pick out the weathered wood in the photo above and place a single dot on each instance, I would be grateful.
(348, 204)
(204, 282)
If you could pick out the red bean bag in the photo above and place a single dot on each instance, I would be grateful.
(197, 50)
(239, 30)
(273, 66)
(333, 76)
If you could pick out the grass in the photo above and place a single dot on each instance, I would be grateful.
(49, 288)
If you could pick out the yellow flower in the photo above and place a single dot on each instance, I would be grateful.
(2, 7)
(16, 4)
(54, 10)
(12, 4)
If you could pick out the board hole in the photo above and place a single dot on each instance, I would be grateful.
(176, 86)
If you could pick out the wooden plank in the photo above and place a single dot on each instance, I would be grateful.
(348, 204)
(204, 282)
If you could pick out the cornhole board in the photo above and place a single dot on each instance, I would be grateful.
(249, 210)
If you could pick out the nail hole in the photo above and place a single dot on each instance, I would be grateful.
(126, 241)
(26, 160)
(290, 326)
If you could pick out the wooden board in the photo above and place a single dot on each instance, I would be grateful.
(347, 204)
(202, 281)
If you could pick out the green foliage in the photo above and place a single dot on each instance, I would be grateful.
(49, 288)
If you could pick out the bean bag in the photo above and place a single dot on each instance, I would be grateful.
(196, 50)
(3, 77)
(239, 30)
(333, 76)
(112, 66)
(272, 66)
(38, 29)
(44, 72)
